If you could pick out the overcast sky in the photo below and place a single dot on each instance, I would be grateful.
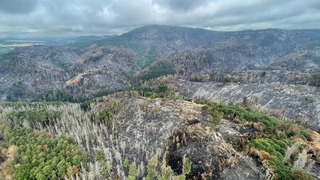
(106, 17)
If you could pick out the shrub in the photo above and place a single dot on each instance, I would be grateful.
(315, 79)
(216, 118)
(132, 171)
(276, 148)
(228, 78)
(186, 169)
(99, 156)
(152, 173)
(153, 162)
(85, 106)
(126, 163)
(106, 115)
(300, 175)
(305, 135)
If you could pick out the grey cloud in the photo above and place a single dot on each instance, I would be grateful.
(231, 15)
(58, 17)
(18, 6)
(184, 5)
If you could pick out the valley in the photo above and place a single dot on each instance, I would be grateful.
(147, 104)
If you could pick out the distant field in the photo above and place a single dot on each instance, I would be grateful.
(15, 45)
(19, 43)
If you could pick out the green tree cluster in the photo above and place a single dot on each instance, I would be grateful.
(41, 155)
(132, 171)
(106, 115)
(39, 105)
(41, 115)
(157, 71)
(16, 91)
(100, 158)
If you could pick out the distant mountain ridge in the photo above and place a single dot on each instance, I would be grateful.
(190, 52)
(264, 56)
(164, 102)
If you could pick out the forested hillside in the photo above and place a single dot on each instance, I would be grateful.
(163, 102)
(152, 133)
(85, 69)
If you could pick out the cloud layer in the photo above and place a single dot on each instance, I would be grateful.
(80, 17)
(18, 6)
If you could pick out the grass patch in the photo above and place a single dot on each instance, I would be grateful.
(271, 124)
(275, 136)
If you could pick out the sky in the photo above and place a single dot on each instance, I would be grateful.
(109, 17)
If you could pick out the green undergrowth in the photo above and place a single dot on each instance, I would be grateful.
(277, 149)
(315, 79)
(106, 115)
(274, 138)
(269, 124)
(100, 158)
(157, 71)
(29, 104)
(159, 91)
(40, 115)
(52, 95)
(37, 155)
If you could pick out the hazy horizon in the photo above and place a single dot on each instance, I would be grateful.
(35, 18)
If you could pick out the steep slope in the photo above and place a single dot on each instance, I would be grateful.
(164, 40)
(82, 72)
(242, 65)
(267, 42)
(119, 59)
(303, 61)
(102, 68)
(126, 131)
(128, 135)
(299, 103)
(246, 53)
(260, 56)
(52, 54)
(22, 77)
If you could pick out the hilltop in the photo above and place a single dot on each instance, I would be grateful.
(85, 69)
(153, 133)
(163, 102)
